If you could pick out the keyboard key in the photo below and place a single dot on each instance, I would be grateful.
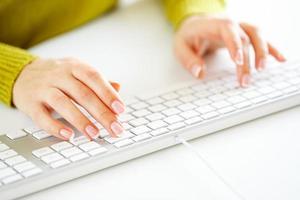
(159, 131)
(217, 97)
(140, 130)
(2, 165)
(24, 166)
(126, 126)
(138, 122)
(123, 143)
(266, 90)
(6, 172)
(176, 126)
(15, 160)
(193, 120)
(155, 116)
(290, 90)
(157, 124)
(155, 100)
(97, 151)
(189, 114)
(170, 96)
(188, 98)
(41, 135)
(32, 172)
(3, 147)
(172, 103)
(187, 106)
(185, 91)
(141, 113)
(210, 115)
(220, 104)
(51, 158)
(236, 99)
(12, 179)
(157, 108)
(139, 105)
(251, 94)
(7, 154)
(79, 157)
(60, 163)
(203, 94)
(124, 135)
(83, 139)
(275, 94)
(125, 117)
(32, 129)
(226, 110)
(141, 137)
(61, 145)
(171, 111)
(205, 109)
(16, 134)
(202, 102)
(259, 99)
(42, 151)
(243, 104)
(173, 119)
(89, 146)
(71, 151)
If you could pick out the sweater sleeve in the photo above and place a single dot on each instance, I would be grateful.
(12, 61)
(177, 10)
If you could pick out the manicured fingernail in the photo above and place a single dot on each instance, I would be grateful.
(281, 57)
(116, 128)
(118, 107)
(261, 64)
(67, 134)
(196, 69)
(239, 60)
(92, 132)
(245, 80)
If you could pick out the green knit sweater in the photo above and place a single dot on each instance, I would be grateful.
(24, 23)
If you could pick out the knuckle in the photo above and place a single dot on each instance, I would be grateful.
(245, 39)
(227, 22)
(85, 94)
(92, 73)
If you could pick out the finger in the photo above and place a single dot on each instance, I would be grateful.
(259, 44)
(243, 71)
(231, 37)
(275, 53)
(58, 101)
(115, 85)
(42, 117)
(100, 86)
(189, 59)
(85, 97)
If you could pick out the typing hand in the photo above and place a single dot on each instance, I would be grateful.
(199, 35)
(53, 85)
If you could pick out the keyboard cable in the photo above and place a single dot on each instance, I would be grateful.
(210, 167)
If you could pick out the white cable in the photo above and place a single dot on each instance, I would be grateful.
(209, 166)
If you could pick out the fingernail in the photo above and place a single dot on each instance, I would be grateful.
(92, 132)
(118, 107)
(245, 80)
(261, 64)
(116, 128)
(239, 60)
(281, 57)
(67, 134)
(196, 69)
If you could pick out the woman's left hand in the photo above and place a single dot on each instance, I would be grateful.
(199, 35)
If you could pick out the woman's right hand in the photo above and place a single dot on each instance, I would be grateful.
(48, 85)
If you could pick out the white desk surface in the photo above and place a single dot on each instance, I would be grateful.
(260, 158)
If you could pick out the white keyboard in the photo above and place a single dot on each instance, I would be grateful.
(31, 159)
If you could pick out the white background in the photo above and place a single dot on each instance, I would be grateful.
(132, 45)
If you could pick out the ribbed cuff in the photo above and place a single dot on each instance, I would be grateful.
(177, 10)
(12, 61)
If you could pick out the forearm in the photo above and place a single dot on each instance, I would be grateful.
(177, 10)
(12, 61)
